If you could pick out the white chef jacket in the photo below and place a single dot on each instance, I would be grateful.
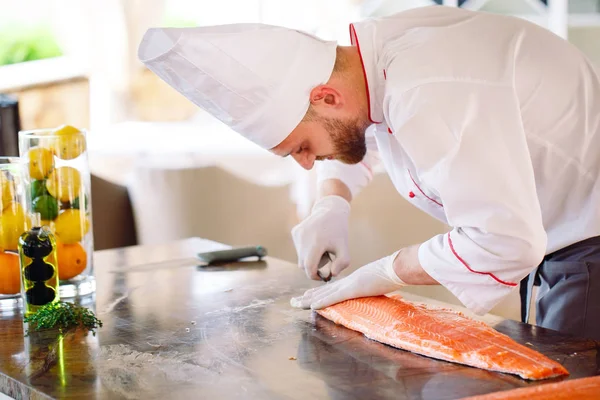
(489, 124)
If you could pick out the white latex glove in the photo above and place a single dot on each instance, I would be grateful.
(374, 279)
(325, 229)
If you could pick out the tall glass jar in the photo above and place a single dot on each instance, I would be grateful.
(57, 182)
(13, 222)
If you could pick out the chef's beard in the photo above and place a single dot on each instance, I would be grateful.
(348, 139)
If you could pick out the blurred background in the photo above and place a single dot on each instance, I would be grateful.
(162, 168)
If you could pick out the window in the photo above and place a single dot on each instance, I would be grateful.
(26, 32)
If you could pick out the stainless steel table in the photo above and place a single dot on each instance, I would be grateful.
(229, 332)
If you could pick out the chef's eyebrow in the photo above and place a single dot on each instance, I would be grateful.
(290, 152)
(296, 149)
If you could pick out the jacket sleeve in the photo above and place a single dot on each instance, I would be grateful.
(355, 176)
(468, 142)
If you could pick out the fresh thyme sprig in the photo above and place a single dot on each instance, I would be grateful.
(64, 316)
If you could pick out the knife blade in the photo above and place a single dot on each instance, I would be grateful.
(201, 260)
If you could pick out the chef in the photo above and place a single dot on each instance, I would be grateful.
(488, 123)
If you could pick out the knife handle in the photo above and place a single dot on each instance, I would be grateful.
(323, 270)
(234, 254)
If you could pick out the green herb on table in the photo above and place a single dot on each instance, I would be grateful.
(64, 316)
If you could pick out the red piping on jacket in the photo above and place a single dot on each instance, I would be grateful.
(423, 193)
(472, 270)
(364, 164)
(353, 39)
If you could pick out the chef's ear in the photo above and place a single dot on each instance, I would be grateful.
(325, 95)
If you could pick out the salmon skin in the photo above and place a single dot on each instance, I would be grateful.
(440, 333)
(580, 389)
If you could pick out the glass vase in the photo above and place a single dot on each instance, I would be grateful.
(57, 186)
(13, 222)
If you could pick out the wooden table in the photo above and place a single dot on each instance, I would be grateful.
(187, 332)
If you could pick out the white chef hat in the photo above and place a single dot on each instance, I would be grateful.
(255, 78)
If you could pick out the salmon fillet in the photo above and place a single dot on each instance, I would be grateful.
(440, 333)
(580, 389)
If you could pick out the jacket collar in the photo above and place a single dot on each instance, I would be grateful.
(362, 35)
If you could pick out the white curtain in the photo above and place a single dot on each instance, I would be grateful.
(105, 35)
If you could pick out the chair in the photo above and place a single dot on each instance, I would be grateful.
(112, 224)
(172, 203)
(10, 125)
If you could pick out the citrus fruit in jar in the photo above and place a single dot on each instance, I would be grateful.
(64, 184)
(12, 225)
(68, 143)
(38, 188)
(41, 162)
(77, 203)
(71, 226)
(10, 274)
(72, 260)
(46, 206)
(7, 190)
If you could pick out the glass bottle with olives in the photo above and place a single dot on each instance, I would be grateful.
(37, 255)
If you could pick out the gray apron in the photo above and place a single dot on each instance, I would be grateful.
(568, 298)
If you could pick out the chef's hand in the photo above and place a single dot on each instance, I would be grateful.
(374, 279)
(325, 229)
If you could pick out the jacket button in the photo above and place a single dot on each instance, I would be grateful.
(411, 195)
(389, 130)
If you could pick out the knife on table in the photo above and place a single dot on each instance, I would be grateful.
(221, 256)
(217, 257)
(231, 255)
(201, 260)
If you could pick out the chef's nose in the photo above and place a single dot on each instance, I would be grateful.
(305, 158)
